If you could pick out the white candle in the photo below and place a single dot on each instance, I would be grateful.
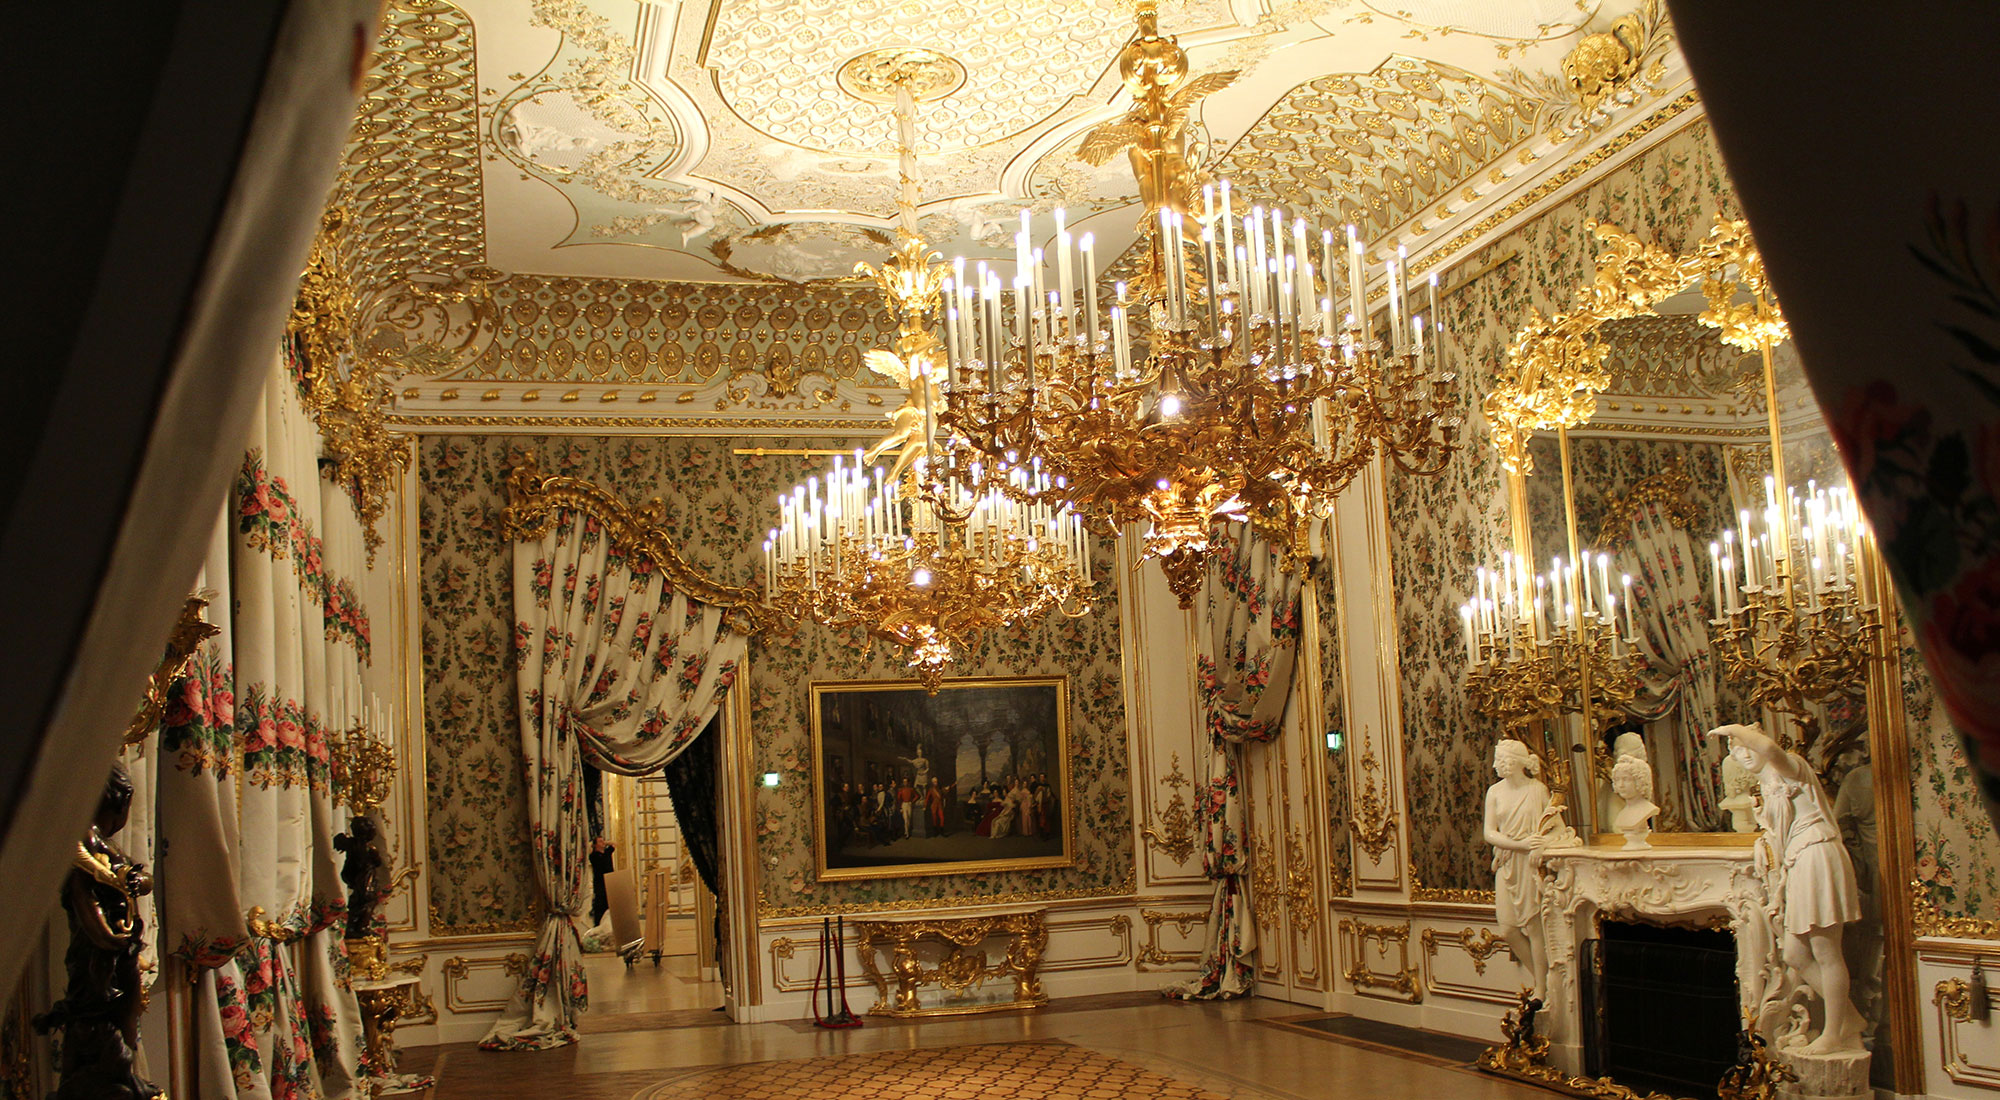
(1064, 273)
(1090, 292)
(1715, 575)
(1471, 646)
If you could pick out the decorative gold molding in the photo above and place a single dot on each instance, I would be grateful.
(1152, 956)
(1953, 1000)
(1929, 920)
(1126, 889)
(1447, 895)
(1174, 835)
(1300, 908)
(1953, 997)
(533, 500)
(1480, 943)
(443, 934)
(1357, 934)
(1373, 826)
(189, 632)
(458, 968)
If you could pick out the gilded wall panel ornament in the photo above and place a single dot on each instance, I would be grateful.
(1479, 943)
(458, 969)
(1358, 934)
(1446, 896)
(1174, 834)
(1152, 955)
(1374, 825)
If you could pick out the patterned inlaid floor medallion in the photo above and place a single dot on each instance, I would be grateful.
(1017, 1071)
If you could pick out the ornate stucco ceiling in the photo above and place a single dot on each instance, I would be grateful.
(566, 163)
(714, 140)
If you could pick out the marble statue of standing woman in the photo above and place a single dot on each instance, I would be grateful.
(1816, 878)
(1517, 826)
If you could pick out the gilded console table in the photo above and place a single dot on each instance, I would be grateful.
(964, 963)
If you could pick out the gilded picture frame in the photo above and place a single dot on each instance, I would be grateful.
(972, 779)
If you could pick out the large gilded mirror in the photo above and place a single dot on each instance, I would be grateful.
(1662, 442)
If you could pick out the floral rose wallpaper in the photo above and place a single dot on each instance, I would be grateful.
(1955, 858)
(717, 511)
(1441, 528)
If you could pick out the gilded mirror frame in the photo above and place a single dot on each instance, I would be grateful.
(1556, 367)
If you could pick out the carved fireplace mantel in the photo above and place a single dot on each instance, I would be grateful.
(1686, 886)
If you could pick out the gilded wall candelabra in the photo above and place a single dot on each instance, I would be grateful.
(1539, 646)
(1795, 617)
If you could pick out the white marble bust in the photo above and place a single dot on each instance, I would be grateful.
(1632, 781)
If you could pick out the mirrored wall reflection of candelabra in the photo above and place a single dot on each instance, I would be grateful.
(1796, 614)
(926, 570)
(1538, 646)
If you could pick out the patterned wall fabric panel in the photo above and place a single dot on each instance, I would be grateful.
(1956, 858)
(1441, 528)
(717, 510)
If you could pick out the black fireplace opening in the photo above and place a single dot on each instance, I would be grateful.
(1660, 1007)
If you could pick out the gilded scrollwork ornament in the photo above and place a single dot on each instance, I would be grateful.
(1174, 834)
(534, 500)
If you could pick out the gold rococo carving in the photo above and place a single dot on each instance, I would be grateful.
(1174, 835)
(1359, 974)
(1480, 943)
(1928, 920)
(1555, 364)
(458, 968)
(1152, 955)
(533, 501)
(963, 965)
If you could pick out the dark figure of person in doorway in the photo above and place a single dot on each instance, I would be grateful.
(600, 866)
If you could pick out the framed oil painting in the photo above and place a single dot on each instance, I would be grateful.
(974, 778)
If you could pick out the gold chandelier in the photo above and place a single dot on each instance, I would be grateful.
(922, 558)
(1228, 383)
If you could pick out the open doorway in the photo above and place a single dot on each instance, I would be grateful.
(651, 951)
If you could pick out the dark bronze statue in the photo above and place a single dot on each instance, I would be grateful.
(362, 873)
(99, 1014)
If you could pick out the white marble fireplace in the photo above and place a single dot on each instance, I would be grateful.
(1667, 884)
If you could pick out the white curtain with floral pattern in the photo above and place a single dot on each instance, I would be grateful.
(243, 807)
(1245, 657)
(619, 670)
